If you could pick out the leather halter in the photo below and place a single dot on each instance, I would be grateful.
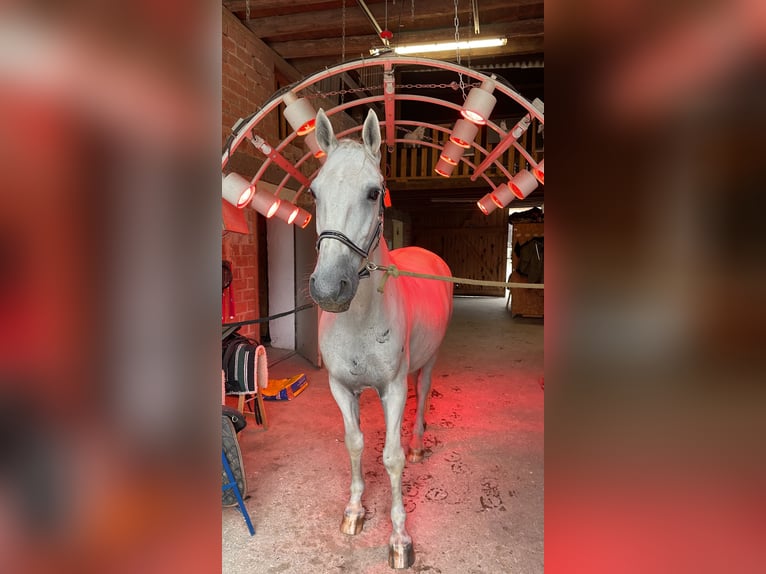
(372, 242)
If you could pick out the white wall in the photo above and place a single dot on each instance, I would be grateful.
(281, 250)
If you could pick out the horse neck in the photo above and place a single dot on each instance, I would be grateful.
(367, 296)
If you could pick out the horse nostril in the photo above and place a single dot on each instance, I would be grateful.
(344, 286)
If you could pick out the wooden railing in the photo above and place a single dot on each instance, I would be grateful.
(418, 162)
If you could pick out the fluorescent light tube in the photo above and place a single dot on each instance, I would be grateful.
(449, 46)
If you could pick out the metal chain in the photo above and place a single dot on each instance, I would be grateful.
(470, 32)
(412, 10)
(247, 10)
(343, 92)
(343, 45)
(457, 50)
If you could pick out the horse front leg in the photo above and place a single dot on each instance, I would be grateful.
(348, 402)
(418, 428)
(400, 552)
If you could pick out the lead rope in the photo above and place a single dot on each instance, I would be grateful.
(394, 271)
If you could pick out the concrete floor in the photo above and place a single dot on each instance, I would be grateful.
(475, 503)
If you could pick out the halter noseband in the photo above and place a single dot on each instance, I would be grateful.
(372, 242)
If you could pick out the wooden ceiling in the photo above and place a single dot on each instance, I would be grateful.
(311, 35)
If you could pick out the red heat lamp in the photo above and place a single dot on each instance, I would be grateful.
(287, 211)
(292, 214)
(451, 153)
(502, 196)
(237, 190)
(311, 142)
(299, 113)
(486, 205)
(522, 184)
(464, 133)
(444, 168)
(480, 102)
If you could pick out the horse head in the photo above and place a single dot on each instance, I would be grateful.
(348, 192)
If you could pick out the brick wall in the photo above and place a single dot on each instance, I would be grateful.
(247, 80)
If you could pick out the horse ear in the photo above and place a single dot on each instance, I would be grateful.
(371, 133)
(325, 134)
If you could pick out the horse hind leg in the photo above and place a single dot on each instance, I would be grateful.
(416, 451)
(348, 402)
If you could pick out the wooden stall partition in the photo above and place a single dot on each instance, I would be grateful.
(473, 245)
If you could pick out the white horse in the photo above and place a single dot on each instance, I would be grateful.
(370, 339)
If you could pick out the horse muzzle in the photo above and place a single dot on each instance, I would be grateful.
(333, 292)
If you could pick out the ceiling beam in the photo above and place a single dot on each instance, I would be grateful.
(286, 6)
(429, 14)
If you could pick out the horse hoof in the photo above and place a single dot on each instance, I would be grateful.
(415, 455)
(401, 555)
(352, 524)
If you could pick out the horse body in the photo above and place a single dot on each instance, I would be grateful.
(370, 339)
(381, 335)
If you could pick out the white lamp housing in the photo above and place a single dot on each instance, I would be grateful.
(311, 142)
(501, 196)
(464, 133)
(486, 205)
(480, 102)
(265, 203)
(522, 184)
(539, 172)
(302, 219)
(299, 113)
(443, 168)
(292, 214)
(286, 211)
(237, 190)
(452, 153)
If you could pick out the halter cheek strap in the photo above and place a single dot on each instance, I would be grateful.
(372, 242)
(364, 252)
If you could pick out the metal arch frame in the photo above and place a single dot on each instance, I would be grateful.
(245, 127)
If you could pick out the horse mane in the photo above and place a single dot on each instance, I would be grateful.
(353, 143)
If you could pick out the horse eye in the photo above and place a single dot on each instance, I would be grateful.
(373, 194)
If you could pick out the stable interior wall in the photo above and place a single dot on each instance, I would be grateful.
(281, 277)
(247, 80)
(473, 244)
